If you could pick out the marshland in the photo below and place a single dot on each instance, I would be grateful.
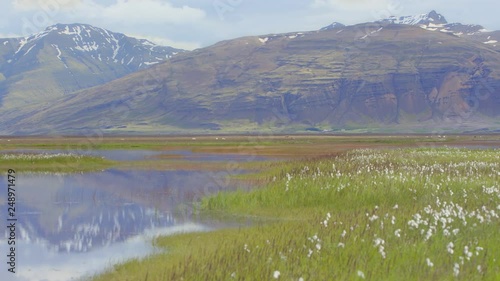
(398, 207)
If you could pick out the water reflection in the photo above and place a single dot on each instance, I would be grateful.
(37, 262)
(71, 225)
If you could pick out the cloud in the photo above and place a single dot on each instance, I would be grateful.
(9, 35)
(27, 5)
(168, 42)
(128, 11)
(356, 11)
(151, 12)
(351, 4)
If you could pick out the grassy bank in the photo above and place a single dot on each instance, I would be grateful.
(405, 214)
(56, 163)
(266, 144)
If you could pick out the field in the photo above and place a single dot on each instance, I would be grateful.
(406, 213)
(333, 208)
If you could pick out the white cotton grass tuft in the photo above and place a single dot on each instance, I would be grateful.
(41, 156)
(449, 248)
(456, 269)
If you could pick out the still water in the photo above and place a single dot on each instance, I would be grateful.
(71, 226)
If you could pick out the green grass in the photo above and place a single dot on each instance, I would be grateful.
(403, 214)
(207, 142)
(56, 163)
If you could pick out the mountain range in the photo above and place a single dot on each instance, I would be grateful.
(407, 74)
(65, 58)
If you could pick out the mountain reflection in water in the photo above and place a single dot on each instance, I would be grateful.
(79, 224)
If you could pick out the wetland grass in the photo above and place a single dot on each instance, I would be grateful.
(400, 214)
(52, 163)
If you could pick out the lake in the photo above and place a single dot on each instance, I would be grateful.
(74, 225)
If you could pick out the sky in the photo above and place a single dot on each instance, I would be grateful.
(191, 24)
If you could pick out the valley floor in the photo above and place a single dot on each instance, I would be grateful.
(336, 208)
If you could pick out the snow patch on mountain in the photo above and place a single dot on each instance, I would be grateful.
(39, 35)
(21, 45)
(429, 28)
(431, 25)
(87, 47)
(410, 20)
(29, 50)
(335, 25)
(148, 43)
(68, 32)
(116, 46)
(296, 35)
(59, 53)
(376, 31)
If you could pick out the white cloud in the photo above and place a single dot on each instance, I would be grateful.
(122, 11)
(26, 5)
(151, 12)
(167, 42)
(352, 4)
(357, 11)
(9, 35)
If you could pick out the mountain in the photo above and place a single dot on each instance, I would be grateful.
(376, 76)
(434, 21)
(423, 19)
(333, 26)
(65, 58)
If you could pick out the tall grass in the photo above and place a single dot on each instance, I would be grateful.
(404, 214)
(56, 163)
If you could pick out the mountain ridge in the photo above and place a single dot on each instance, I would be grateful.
(434, 21)
(421, 19)
(65, 58)
(389, 77)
